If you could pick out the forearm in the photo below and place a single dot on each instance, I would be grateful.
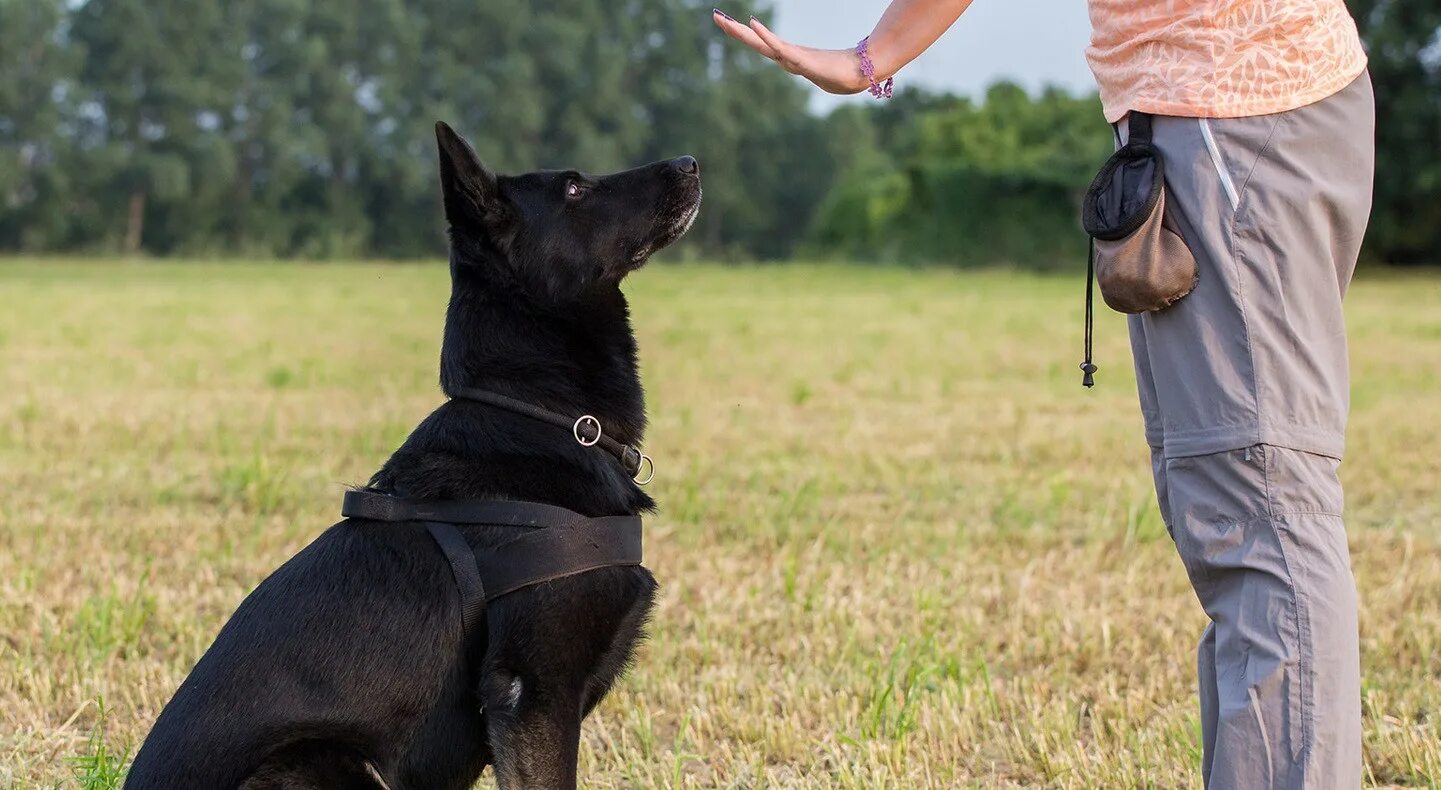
(908, 28)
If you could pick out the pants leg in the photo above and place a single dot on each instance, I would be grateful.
(1210, 700)
(1261, 536)
(1244, 387)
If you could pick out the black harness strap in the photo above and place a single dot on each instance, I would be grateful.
(466, 571)
(563, 543)
(374, 506)
(549, 554)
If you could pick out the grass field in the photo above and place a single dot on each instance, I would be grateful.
(899, 545)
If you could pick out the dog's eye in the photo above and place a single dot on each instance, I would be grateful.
(574, 189)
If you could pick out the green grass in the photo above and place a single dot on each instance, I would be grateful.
(899, 545)
(98, 767)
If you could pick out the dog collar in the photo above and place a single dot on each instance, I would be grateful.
(585, 428)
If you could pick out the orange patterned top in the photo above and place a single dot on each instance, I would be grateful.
(1220, 58)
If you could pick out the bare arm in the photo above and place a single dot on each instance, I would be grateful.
(908, 28)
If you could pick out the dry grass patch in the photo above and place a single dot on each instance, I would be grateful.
(899, 545)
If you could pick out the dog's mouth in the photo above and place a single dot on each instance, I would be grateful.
(672, 224)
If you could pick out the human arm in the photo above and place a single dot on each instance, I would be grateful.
(905, 30)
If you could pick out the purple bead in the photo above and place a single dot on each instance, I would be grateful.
(868, 70)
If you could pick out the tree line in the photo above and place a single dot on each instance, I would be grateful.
(303, 128)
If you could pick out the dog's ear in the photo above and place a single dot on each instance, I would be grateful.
(471, 196)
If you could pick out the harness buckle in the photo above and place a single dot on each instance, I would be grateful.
(586, 420)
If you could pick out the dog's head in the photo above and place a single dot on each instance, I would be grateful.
(559, 233)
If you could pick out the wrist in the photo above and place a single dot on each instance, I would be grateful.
(858, 82)
(880, 87)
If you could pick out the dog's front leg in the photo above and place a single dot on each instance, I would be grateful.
(534, 737)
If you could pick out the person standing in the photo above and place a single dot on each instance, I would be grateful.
(1264, 115)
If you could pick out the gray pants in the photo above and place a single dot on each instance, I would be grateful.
(1244, 389)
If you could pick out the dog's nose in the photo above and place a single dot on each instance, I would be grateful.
(686, 164)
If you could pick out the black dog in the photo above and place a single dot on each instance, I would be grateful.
(347, 668)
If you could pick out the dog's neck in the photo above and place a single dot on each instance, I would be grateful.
(573, 361)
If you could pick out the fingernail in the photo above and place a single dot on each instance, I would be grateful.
(723, 14)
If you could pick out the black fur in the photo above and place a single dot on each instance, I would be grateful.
(345, 667)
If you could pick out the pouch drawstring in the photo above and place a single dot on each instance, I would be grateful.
(1088, 370)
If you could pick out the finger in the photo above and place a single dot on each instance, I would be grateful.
(742, 34)
(781, 49)
(748, 37)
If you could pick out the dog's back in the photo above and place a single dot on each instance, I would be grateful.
(362, 608)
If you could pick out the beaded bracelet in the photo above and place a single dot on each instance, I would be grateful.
(868, 70)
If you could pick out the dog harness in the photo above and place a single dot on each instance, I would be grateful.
(561, 543)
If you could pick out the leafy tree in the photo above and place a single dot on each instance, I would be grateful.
(1403, 40)
(304, 128)
(153, 94)
(968, 184)
(37, 75)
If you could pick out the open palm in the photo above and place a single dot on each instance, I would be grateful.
(832, 70)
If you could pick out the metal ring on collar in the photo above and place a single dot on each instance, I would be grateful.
(645, 459)
(586, 420)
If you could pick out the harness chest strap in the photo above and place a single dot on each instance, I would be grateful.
(549, 554)
(467, 573)
(563, 543)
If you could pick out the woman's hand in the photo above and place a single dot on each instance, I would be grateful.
(832, 70)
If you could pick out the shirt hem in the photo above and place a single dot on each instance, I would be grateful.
(1115, 111)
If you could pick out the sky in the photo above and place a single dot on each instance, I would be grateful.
(1032, 42)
